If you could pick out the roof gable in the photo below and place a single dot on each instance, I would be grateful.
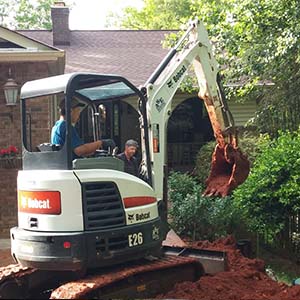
(4, 44)
(13, 39)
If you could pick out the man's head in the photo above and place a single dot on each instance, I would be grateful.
(130, 148)
(76, 108)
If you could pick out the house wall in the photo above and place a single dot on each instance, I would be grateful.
(10, 128)
(188, 129)
(241, 112)
(8, 201)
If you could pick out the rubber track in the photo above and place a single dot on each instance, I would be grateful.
(82, 287)
(14, 271)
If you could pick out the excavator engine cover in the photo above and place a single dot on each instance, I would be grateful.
(229, 168)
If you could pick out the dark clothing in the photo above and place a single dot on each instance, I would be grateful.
(130, 166)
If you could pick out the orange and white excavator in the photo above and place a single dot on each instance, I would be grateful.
(83, 214)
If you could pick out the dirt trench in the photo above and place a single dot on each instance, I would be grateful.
(245, 280)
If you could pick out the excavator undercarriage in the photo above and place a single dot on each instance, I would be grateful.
(140, 279)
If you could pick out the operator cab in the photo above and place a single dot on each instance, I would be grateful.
(93, 91)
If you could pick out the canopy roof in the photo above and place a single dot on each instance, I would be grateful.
(89, 85)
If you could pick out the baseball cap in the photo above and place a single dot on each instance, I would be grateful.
(74, 103)
(133, 143)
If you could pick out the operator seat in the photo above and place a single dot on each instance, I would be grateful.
(47, 147)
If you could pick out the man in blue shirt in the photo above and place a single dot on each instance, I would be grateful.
(58, 133)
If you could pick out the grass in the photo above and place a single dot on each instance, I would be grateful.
(284, 270)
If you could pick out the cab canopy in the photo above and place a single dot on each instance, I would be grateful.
(88, 85)
(89, 88)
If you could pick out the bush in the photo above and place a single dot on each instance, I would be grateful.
(248, 144)
(198, 217)
(271, 194)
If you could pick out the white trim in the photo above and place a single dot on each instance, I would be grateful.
(10, 56)
(22, 40)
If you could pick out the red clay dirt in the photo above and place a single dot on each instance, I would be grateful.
(229, 168)
(5, 258)
(245, 280)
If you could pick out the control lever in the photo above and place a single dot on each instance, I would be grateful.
(115, 151)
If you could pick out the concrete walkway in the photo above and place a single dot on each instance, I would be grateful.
(4, 244)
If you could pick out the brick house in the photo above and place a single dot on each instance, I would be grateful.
(21, 58)
(33, 54)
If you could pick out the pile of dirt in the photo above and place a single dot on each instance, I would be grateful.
(245, 279)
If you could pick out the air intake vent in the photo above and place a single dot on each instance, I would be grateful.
(112, 244)
(102, 205)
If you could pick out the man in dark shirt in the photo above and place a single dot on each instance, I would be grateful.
(130, 162)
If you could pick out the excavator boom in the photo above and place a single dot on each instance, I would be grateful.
(229, 167)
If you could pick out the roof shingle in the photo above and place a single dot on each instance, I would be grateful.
(133, 54)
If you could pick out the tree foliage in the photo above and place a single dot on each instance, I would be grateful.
(5, 8)
(157, 14)
(271, 194)
(193, 215)
(256, 43)
(30, 15)
(24, 14)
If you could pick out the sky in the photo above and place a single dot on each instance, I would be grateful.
(91, 14)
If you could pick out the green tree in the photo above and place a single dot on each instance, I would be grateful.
(257, 42)
(271, 194)
(265, 35)
(196, 216)
(6, 6)
(24, 14)
(31, 15)
(157, 14)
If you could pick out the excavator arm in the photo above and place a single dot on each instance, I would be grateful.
(229, 166)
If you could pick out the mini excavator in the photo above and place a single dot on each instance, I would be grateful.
(87, 229)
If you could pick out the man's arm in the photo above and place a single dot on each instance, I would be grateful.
(87, 149)
(90, 148)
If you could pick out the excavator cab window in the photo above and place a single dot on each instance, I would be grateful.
(97, 92)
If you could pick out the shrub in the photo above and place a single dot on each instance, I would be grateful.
(198, 217)
(248, 144)
(271, 194)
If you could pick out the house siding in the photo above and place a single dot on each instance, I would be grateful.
(242, 112)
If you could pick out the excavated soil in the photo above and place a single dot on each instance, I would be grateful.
(5, 258)
(245, 280)
(229, 168)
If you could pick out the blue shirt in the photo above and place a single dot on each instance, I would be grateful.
(58, 135)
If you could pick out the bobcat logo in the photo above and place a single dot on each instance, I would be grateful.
(130, 217)
(160, 104)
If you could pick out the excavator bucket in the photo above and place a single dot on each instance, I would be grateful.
(229, 168)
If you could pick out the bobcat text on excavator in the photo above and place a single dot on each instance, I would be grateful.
(85, 227)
